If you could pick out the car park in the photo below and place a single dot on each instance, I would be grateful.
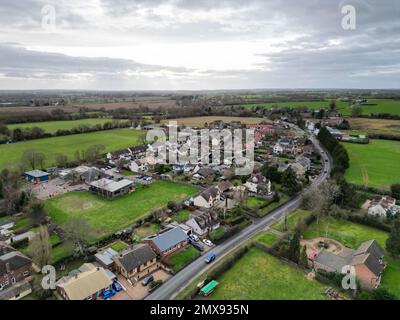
(147, 280)
(208, 242)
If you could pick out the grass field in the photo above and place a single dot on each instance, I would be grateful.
(373, 106)
(352, 235)
(375, 164)
(182, 258)
(374, 126)
(68, 145)
(272, 206)
(109, 216)
(147, 230)
(291, 220)
(118, 246)
(259, 276)
(201, 121)
(266, 238)
(181, 216)
(53, 126)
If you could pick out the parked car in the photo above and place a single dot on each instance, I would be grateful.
(147, 280)
(194, 237)
(197, 246)
(210, 257)
(208, 242)
(117, 286)
(108, 294)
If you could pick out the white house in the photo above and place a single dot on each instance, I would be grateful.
(381, 206)
(139, 165)
(203, 222)
(278, 149)
(257, 183)
(208, 198)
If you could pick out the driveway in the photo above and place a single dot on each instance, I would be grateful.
(137, 291)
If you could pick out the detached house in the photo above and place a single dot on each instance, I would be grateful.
(257, 183)
(367, 261)
(167, 241)
(208, 198)
(381, 206)
(136, 262)
(139, 165)
(203, 222)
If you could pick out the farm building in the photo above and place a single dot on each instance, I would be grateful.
(37, 176)
(110, 188)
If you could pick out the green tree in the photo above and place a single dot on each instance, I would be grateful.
(356, 111)
(393, 242)
(303, 261)
(40, 247)
(78, 232)
(293, 252)
(290, 183)
(271, 173)
(395, 188)
(37, 213)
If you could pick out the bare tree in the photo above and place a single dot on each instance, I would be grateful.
(40, 247)
(61, 160)
(33, 158)
(78, 232)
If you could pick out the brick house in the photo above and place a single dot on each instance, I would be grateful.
(167, 241)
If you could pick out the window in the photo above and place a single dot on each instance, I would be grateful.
(13, 280)
(25, 273)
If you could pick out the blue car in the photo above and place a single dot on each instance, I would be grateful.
(108, 294)
(210, 257)
(117, 286)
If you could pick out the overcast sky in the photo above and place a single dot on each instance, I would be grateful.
(198, 44)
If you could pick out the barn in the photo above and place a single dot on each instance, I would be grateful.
(37, 176)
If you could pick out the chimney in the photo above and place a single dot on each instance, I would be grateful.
(8, 270)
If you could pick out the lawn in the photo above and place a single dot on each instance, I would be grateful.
(352, 235)
(147, 230)
(53, 126)
(118, 246)
(108, 216)
(182, 258)
(260, 276)
(266, 238)
(253, 202)
(291, 220)
(181, 216)
(375, 164)
(68, 145)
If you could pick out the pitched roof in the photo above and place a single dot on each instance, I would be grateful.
(85, 284)
(209, 193)
(15, 260)
(168, 238)
(331, 260)
(132, 258)
(106, 256)
(224, 185)
(111, 185)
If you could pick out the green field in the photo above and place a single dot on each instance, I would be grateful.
(68, 145)
(373, 106)
(109, 216)
(260, 276)
(291, 220)
(182, 258)
(352, 235)
(375, 164)
(53, 126)
(266, 238)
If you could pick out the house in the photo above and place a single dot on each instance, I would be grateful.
(139, 165)
(208, 198)
(14, 273)
(381, 206)
(105, 258)
(277, 149)
(367, 261)
(110, 188)
(203, 222)
(86, 283)
(136, 262)
(206, 173)
(37, 176)
(167, 241)
(128, 153)
(224, 186)
(257, 183)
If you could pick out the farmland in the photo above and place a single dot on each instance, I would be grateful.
(374, 126)
(53, 126)
(373, 106)
(375, 164)
(68, 145)
(259, 276)
(201, 121)
(352, 235)
(107, 217)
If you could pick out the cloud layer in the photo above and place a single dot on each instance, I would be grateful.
(202, 44)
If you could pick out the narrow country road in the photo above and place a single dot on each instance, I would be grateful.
(184, 277)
